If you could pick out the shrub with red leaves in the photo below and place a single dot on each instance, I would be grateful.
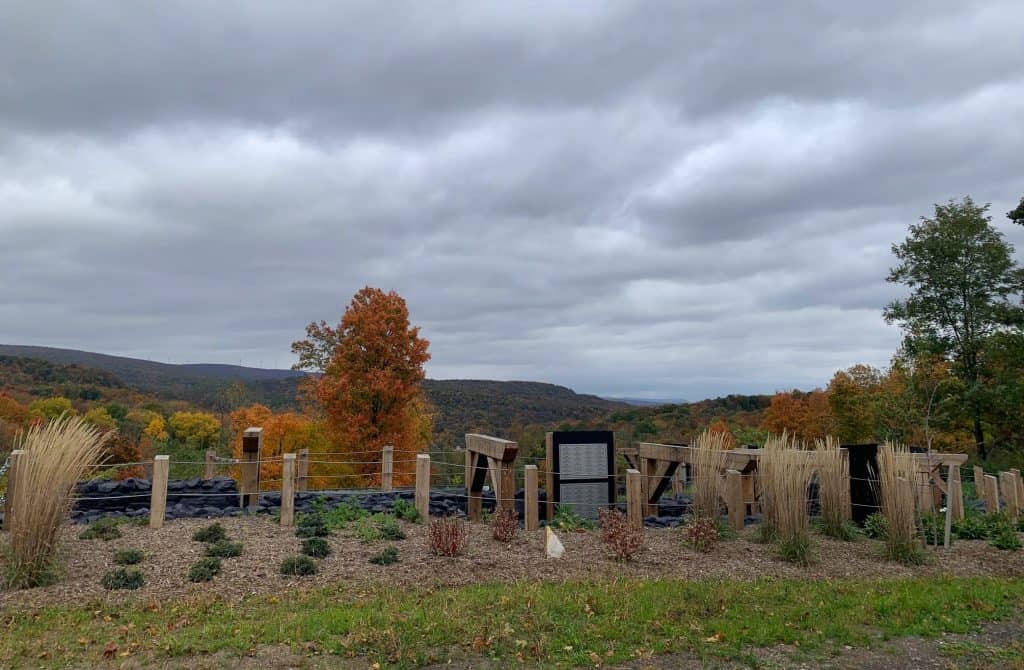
(448, 536)
(702, 534)
(504, 524)
(623, 539)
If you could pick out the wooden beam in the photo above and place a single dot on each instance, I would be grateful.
(423, 486)
(494, 447)
(530, 512)
(208, 465)
(505, 494)
(158, 491)
(979, 482)
(288, 490)
(635, 503)
(734, 498)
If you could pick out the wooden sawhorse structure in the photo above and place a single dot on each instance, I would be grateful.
(658, 464)
(486, 454)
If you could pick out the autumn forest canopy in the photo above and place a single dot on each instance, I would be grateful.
(956, 383)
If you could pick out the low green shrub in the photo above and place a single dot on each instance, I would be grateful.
(212, 533)
(797, 549)
(876, 526)
(128, 557)
(567, 519)
(102, 529)
(406, 511)
(366, 531)
(846, 531)
(122, 578)
(933, 526)
(224, 549)
(316, 547)
(970, 527)
(765, 533)
(204, 570)
(386, 557)
(299, 566)
(312, 525)
(1006, 539)
(342, 515)
(388, 527)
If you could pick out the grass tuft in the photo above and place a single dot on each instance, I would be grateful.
(298, 566)
(102, 529)
(316, 547)
(204, 570)
(212, 533)
(122, 578)
(128, 557)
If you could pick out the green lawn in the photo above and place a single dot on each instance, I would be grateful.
(545, 624)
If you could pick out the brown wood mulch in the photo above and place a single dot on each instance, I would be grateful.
(170, 551)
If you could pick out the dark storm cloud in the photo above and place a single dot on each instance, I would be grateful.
(670, 199)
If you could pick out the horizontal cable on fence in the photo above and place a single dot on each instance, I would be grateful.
(118, 497)
(116, 465)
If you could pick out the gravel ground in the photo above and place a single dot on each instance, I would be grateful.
(170, 551)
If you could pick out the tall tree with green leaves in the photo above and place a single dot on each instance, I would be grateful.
(965, 289)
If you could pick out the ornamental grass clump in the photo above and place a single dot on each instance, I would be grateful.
(785, 471)
(56, 456)
(895, 486)
(709, 461)
(834, 490)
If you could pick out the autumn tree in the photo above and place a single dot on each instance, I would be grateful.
(370, 387)
(197, 430)
(719, 426)
(51, 408)
(807, 416)
(853, 396)
(965, 289)
(284, 433)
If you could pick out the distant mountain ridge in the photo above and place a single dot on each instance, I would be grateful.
(462, 405)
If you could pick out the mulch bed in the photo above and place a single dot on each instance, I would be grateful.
(170, 551)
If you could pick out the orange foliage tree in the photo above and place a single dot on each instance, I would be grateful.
(807, 416)
(369, 391)
(720, 426)
(284, 433)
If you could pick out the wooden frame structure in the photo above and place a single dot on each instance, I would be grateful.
(929, 486)
(495, 456)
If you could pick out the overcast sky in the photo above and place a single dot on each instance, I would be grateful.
(660, 199)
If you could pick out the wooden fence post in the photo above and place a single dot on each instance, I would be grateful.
(302, 478)
(1019, 483)
(955, 498)
(1008, 484)
(252, 445)
(549, 475)
(288, 490)
(423, 486)
(530, 511)
(953, 492)
(387, 468)
(158, 494)
(635, 498)
(734, 499)
(979, 482)
(10, 503)
(211, 457)
(991, 494)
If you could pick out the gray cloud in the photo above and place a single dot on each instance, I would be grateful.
(663, 199)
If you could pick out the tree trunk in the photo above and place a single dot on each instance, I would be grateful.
(979, 436)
